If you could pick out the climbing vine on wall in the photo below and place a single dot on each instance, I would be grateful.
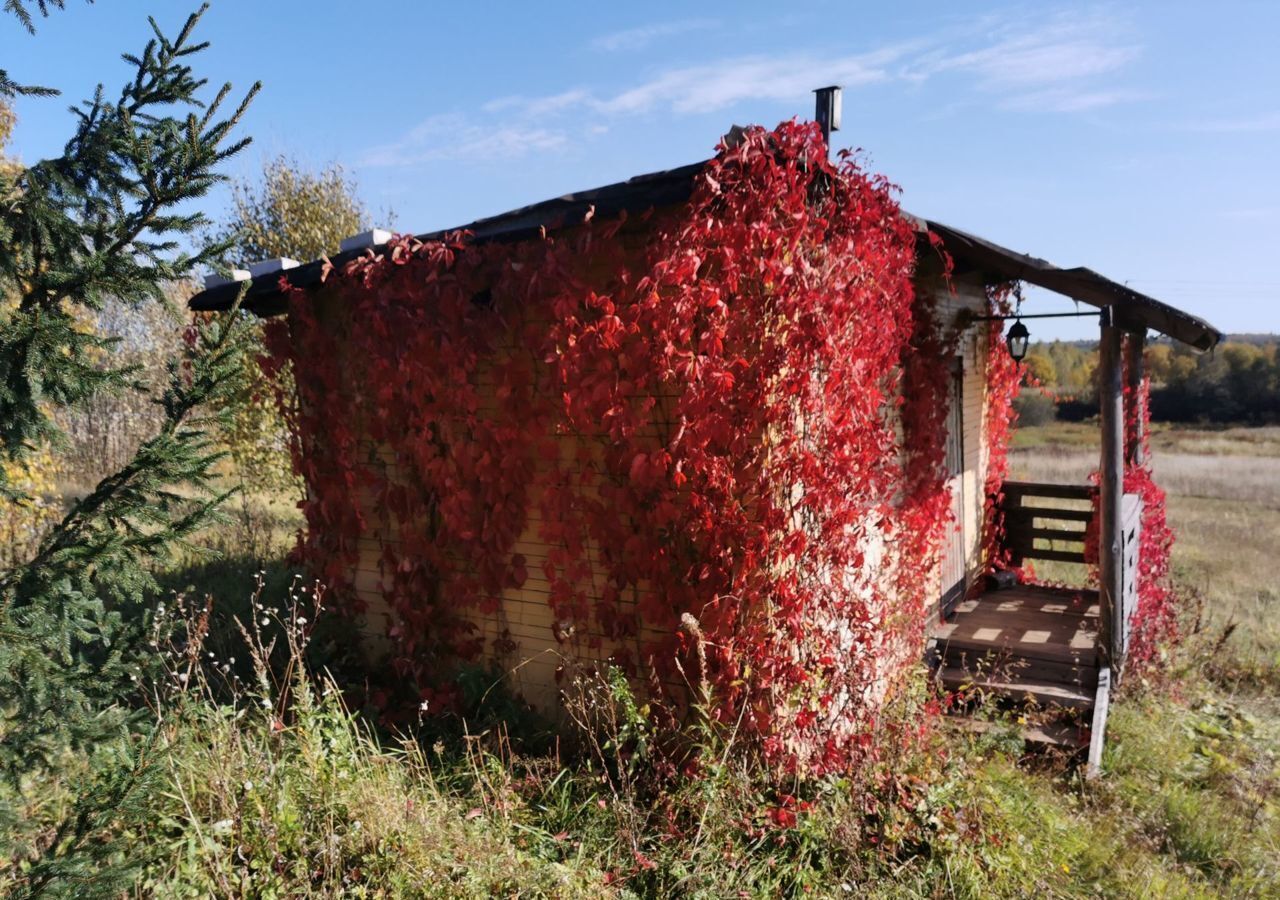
(1003, 382)
(731, 410)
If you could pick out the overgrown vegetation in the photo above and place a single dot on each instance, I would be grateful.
(265, 784)
(714, 401)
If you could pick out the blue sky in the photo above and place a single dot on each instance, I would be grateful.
(1139, 139)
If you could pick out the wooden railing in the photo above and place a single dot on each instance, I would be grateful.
(1047, 521)
(1053, 521)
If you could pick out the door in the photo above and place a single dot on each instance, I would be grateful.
(953, 545)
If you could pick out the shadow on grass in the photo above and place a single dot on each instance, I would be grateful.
(238, 589)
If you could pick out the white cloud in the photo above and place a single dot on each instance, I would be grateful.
(713, 86)
(453, 137)
(1070, 100)
(539, 106)
(1052, 64)
(1066, 48)
(638, 38)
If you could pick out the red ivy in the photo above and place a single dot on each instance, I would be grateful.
(699, 415)
(1155, 621)
(1003, 382)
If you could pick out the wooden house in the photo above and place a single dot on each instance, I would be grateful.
(1062, 647)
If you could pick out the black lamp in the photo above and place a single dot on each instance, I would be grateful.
(1017, 339)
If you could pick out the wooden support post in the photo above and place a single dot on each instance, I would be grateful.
(1111, 487)
(1098, 723)
(1134, 453)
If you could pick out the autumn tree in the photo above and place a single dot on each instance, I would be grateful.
(1040, 366)
(294, 212)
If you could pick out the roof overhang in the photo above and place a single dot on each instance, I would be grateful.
(1132, 310)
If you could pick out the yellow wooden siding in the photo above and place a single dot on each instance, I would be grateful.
(970, 296)
(524, 617)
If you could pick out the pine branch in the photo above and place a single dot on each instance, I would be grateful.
(10, 88)
(20, 10)
(103, 220)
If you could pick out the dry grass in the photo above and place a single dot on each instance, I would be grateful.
(1165, 438)
(1225, 553)
(1250, 480)
(1264, 441)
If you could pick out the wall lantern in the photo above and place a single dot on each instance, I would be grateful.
(1018, 339)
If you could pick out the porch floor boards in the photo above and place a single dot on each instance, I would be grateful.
(1028, 644)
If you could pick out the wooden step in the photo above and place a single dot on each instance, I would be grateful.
(1044, 693)
(1050, 601)
(1053, 734)
(1064, 639)
(1006, 665)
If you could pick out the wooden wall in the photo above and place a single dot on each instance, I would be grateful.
(971, 296)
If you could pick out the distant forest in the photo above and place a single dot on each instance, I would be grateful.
(1237, 383)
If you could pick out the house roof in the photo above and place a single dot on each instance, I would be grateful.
(994, 262)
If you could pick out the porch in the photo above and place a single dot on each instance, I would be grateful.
(1047, 646)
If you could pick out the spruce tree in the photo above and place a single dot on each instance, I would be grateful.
(111, 217)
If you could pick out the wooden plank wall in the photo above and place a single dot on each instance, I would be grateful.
(969, 296)
(542, 646)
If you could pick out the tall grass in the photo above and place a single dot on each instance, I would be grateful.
(270, 786)
(276, 788)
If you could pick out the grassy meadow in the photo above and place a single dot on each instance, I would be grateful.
(263, 781)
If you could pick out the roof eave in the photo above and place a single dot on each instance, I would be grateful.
(1134, 310)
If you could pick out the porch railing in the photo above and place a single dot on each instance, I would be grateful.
(1047, 521)
(1053, 522)
(1130, 541)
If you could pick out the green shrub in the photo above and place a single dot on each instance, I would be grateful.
(1034, 408)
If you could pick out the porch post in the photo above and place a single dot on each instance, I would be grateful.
(1135, 455)
(1111, 488)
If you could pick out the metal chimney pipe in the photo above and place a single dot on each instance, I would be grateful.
(827, 110)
